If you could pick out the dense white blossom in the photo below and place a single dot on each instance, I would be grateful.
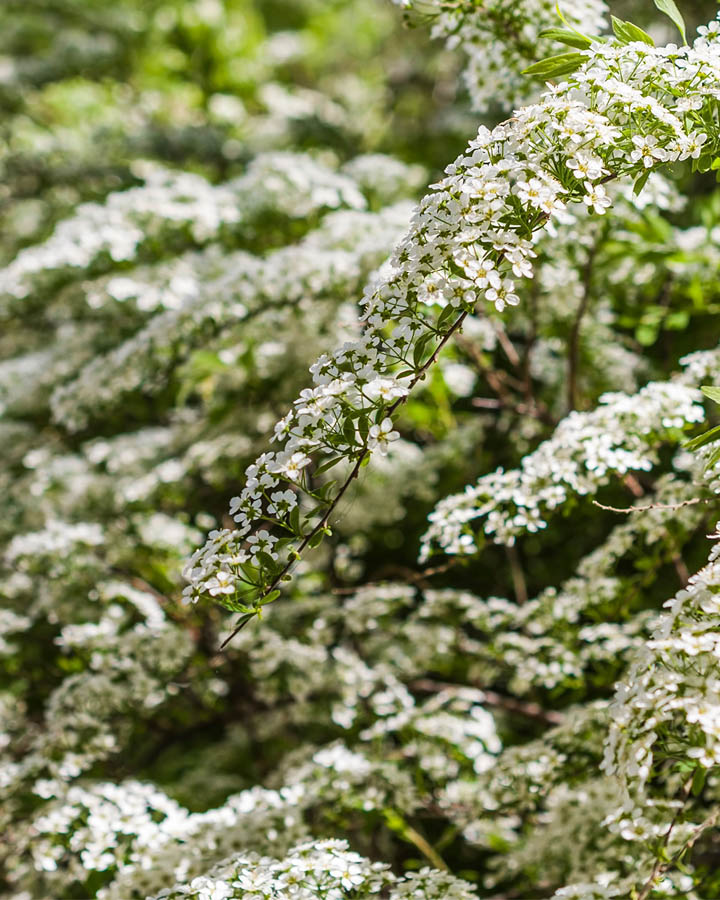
(501, 38)
(379, 718)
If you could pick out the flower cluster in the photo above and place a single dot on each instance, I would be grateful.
(501, 38)
(470, 240)
(668, 703)
(622, 435)
(454, 716)
(174, 208)
(319, 869)
(219, 293)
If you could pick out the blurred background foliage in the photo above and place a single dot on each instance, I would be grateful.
(90, 92)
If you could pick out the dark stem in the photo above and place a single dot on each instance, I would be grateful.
(491, 698)
(322, 524)
(574, 342)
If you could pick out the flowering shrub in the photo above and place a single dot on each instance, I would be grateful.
(456, 671)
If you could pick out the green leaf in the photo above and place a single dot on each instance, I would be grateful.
(245, 619)
(295, 520)
(646, 334)
(627, 32)
(268, 598)
(324, 491)
(677, 321)
(570, 26)
(447, 314)
(670, 9)
(328, 464)
(364, 425)
(266, 561)
(641, 181)
(704, 163)
(698, 782)
(712, 393)
(316, 539)
(419, 349)
(348, 431)
(250, 572)
(554, 66)
(702, 439)
(714, 457)
(566, 36)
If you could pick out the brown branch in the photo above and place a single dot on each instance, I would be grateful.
(574, 342)
(632, 509)
(633, 485)
(682, 570)
(498, 381)
(457, 324)
(492, 698)
(660, 867)
(365, 452)
(407, 574)
(518, 576)
(505, 342)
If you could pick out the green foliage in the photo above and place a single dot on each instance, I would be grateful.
(712, 434)
(196, 198)
(669, 7)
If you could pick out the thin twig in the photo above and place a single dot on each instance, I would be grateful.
(682, 570)
(518, 576)
(505, 342)
(510, 351)
(492, 698)
(322, 524)
(499, 380)
(574, 342)
(633, 485)
(632, 509)
(660, 867)
(428, 851)
(408, 575)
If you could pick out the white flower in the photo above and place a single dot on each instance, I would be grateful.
(282, 502)
(586, 166)
(385, 389)
(222, 583)
(262, 542)
(690, 146)
(503, 296)
(291, 465)
(380, 436)
(349, 875)
(647, 150)
(596, 198)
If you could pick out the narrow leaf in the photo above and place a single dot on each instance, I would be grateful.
(627, 32)
(328, 464)
(266, 561)
(702, 439)
(566, 36)
(670, 9)
(713, 393)
(419, 349)
(714, 457)
(554, 66)
(698, 782)
(316, 539)
(295, 520)
(641, 181)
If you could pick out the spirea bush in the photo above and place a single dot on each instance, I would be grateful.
(360, 506)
